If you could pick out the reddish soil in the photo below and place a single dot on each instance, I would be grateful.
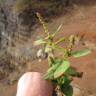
(81, 20)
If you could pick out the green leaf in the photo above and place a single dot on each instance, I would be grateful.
(71, 71)
(67, 89)
(62, 80)
(39, 42)
(81, 53)
(61, 69)
(49, 75)
(50, 72)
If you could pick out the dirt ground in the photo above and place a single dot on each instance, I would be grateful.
(80, 20)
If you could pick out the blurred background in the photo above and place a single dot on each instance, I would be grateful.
(19, 27)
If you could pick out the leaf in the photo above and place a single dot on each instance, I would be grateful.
(61, 69)
(71, 71)
(62, 80)
(49, 75)
(81, 53)
(68, 89)
(50, 72)
(40, 41)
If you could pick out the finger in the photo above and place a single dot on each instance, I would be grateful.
(33, 84)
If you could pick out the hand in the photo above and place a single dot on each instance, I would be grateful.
(33, 84)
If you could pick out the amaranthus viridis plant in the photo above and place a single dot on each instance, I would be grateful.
(60, 72)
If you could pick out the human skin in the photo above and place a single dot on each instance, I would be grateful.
(33, 84)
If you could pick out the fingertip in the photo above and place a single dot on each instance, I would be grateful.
(33, 84)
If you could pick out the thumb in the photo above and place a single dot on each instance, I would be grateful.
(33, 84)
